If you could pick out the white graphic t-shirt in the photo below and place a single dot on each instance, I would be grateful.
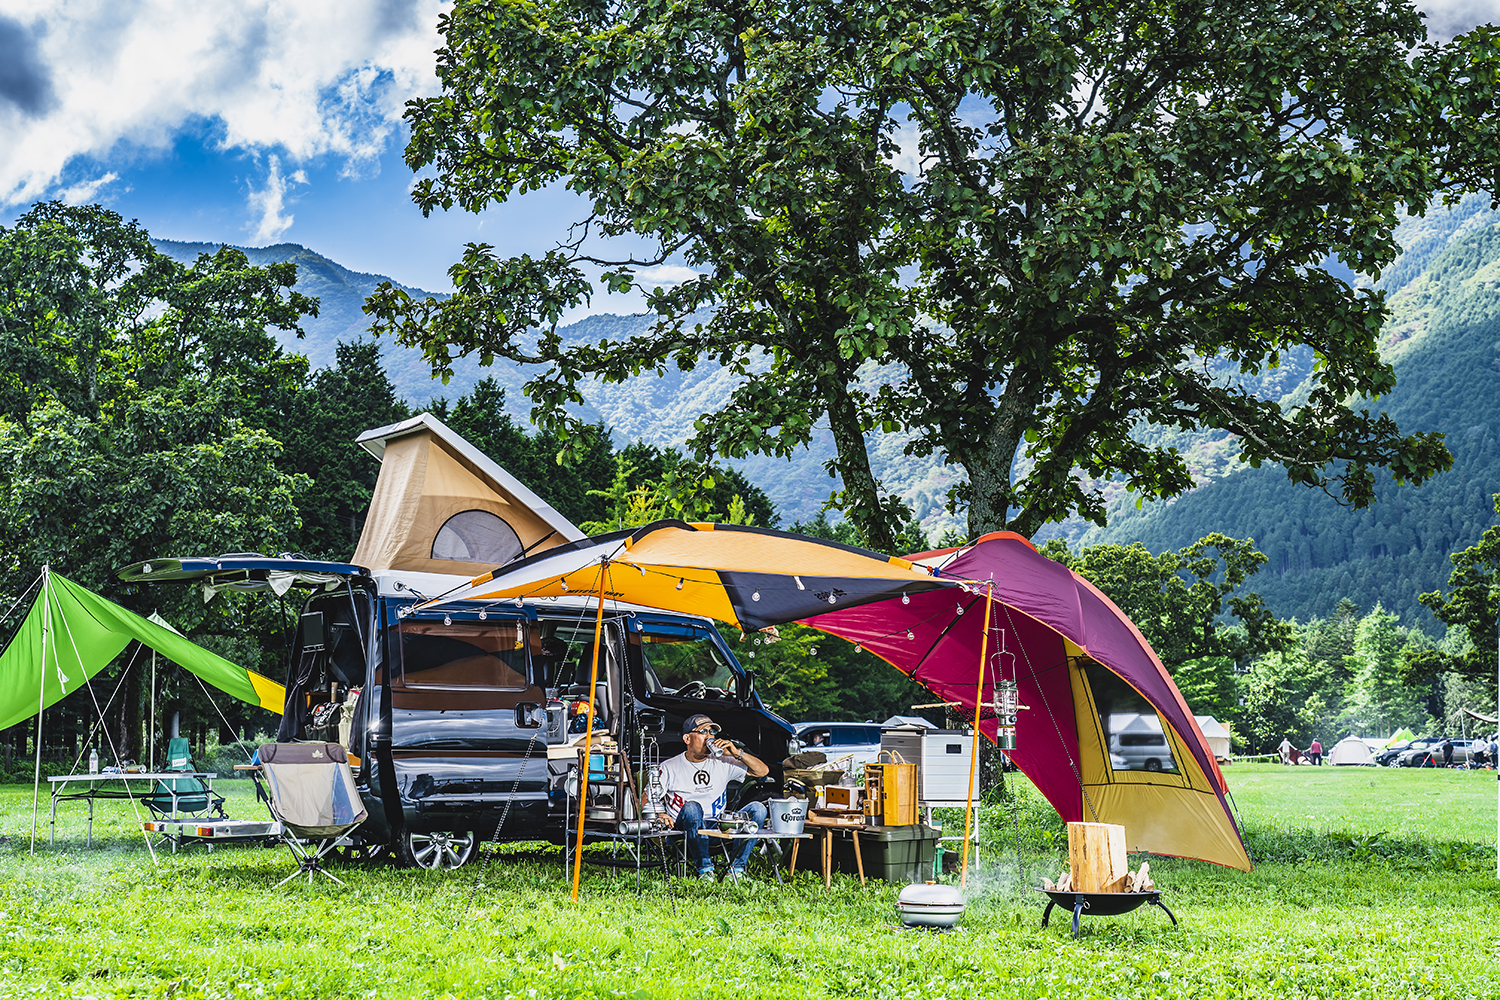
(704, 783)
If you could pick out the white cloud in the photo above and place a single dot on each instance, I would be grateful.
(86, 191)
(1446, 18)
(115, 79)
(666, 274)
(270, 203)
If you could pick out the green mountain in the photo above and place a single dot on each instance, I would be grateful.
(1443, 339)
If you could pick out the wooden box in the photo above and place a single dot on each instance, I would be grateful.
(841, 796)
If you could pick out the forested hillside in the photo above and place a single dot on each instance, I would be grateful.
(1443, 340)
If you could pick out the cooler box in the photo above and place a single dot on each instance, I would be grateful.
(901, 854)
(942, 757)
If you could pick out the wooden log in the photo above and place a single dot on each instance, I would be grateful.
(1118, 885)
(1096, 855)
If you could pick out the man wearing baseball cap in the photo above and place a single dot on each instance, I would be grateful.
(696, 783)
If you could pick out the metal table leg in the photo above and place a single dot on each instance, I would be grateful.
(90, 839)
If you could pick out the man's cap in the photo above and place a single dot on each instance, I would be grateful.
(694, 721)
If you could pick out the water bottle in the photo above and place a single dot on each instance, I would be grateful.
(93, 762)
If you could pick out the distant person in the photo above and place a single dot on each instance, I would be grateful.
(1315, 752)
(1286, 750)
(1447, 751)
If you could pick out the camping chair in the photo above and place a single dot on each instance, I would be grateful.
(175, 797)
(312, 794)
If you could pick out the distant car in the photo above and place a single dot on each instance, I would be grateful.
(840, 739)
(1390, 756)
(1433, 756)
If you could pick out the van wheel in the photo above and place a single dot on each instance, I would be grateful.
(1153, 764)
(437, 851)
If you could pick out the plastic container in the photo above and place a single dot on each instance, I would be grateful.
(93, 762)
(787, 816)
(892, 853)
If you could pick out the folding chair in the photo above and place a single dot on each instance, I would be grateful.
(174, 797)
(312, 794)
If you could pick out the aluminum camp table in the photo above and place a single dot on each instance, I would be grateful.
(97, 789)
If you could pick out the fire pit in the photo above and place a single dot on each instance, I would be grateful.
(1100, 904)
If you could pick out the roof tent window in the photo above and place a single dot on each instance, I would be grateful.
(465, 654)
(476, 536)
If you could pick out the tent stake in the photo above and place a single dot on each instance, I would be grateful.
(588, 732)
(984, 652)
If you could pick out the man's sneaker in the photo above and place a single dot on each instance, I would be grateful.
(734, 875)
(707, 875)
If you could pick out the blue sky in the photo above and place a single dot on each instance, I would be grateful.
(265, 121)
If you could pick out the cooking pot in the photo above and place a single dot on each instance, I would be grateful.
(930, 905)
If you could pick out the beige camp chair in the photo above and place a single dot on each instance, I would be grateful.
(312, 794)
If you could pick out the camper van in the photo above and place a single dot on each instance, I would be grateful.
(1138, 743)
(461, 717)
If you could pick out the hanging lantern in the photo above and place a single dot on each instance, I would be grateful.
(1007, 704)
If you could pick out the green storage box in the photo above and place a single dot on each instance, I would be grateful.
(894, 853)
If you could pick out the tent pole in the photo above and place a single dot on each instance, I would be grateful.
(151, 719)
(1493, 763)
(984, 652)
(588, 731)
(41, 698)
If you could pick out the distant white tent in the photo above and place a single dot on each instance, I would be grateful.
(1216, 734)
(1351, 750)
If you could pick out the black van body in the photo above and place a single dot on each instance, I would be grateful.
(450, 713)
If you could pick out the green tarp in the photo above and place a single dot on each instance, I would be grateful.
(72, 633)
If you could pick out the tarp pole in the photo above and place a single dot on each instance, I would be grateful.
(984, 652)
(41, 698)
(151, 719)
(588, 732)
(1493, 763)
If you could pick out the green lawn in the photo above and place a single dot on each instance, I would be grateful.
(1330, 911)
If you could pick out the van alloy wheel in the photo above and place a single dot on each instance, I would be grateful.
(439, 850)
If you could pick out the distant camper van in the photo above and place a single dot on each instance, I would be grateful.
(1140, 745)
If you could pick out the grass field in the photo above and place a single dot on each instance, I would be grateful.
(1369, 883)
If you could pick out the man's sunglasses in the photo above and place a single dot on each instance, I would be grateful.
(708, 731)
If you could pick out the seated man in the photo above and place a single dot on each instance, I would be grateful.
(696, 783)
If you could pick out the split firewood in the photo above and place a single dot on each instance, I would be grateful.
(1048, 885)
(1140, 881)
(1065, 882)
(1117, 885)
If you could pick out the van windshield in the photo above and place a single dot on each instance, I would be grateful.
(683, 657)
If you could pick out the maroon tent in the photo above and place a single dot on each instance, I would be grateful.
(1105, 735)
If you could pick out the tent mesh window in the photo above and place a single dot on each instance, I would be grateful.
(476, 536)
(1132, 730)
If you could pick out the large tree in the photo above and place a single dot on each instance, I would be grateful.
(1055, 222)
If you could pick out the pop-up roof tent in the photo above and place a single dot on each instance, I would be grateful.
(1078, 662)
(442, 506)
(1351, 750)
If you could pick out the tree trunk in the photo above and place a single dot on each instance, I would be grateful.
(989, 465)
(861, 493)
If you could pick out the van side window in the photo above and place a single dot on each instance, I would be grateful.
(466, 654)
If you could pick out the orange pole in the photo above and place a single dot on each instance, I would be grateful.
(588, 732)
(984, 652)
